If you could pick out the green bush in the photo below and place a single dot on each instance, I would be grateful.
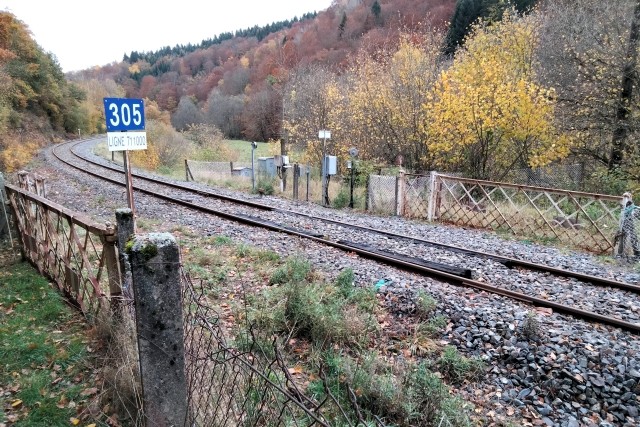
(265, 187)
(342, 199)
(456, 368)
(433, 326)
(407, 397)
(425, 305)
(345, 282)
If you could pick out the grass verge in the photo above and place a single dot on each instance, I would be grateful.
(47, 375)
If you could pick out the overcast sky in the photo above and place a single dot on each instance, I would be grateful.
(84, 33)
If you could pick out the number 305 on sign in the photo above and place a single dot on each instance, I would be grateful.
(123, 114)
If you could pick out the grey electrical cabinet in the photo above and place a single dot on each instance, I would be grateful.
(331, 165)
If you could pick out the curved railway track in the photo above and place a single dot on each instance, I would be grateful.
(402, 251)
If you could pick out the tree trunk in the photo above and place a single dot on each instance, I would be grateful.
(621, 130)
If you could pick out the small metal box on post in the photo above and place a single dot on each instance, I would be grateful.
(282, 164)
(330, 166)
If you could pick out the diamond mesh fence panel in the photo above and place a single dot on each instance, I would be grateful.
(585, 220)
(76, 253)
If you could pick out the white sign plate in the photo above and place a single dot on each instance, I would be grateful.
(324, 134)
(121, 141)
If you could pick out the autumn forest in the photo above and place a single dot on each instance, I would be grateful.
(478, 87)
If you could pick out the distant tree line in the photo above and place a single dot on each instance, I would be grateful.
(259, 32)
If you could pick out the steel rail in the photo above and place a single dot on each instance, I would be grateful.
(507, 261)
(390, 260)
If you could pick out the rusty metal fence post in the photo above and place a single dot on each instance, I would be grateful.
(155, 267)
(4, 218)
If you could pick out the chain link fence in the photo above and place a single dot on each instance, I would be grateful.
(567, 176)
(417, 194)
(382, 194)
(246, 384)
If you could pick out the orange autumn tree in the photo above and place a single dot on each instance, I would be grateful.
(487, 115)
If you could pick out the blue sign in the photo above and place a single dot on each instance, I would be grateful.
(123, 114)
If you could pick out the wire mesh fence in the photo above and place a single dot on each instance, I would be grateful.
(248, 385)
(416, 195)
(565, 176)
(381, 194)
(206, 171)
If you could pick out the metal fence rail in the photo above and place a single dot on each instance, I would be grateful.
(585, 220)
(76, 253)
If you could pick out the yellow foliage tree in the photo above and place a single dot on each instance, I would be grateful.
(388, 89)
(487, 115)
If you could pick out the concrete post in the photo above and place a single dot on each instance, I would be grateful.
(431, 210)
(158, 301)
(400, 193)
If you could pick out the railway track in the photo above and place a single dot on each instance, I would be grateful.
(529, 282)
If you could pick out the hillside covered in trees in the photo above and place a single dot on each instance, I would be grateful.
(480, 87)
(36, 100)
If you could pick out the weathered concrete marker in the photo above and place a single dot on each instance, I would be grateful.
(155, 271)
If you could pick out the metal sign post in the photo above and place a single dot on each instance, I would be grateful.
(353, 152)
(126, 131)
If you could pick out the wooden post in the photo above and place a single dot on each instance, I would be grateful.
(186, 169)
(156, 277)
(308, 178)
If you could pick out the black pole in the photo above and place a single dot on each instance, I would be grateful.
(353, 166)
